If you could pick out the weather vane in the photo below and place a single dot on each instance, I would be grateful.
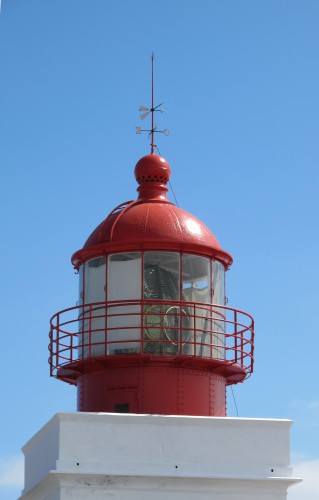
(151, 110)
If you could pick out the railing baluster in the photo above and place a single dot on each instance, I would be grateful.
(57, 339)
(71, 348)
(236, 336)
(195, 335)
(90, 330)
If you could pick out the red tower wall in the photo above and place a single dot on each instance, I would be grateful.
(153, 390)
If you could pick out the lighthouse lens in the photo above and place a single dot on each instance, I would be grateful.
(161, 284)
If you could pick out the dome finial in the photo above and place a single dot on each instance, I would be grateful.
(151, 110)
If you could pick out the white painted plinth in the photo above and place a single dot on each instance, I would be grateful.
(140, 457)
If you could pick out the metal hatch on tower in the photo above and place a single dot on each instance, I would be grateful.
(152, 333)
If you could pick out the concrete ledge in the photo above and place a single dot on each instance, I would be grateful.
(151, 449)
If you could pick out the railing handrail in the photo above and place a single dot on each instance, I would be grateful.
(115, 303)
(223, 330)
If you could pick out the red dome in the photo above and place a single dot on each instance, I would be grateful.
(151, 222)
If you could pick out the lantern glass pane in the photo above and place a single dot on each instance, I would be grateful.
(196, 278)
(218, 281)
(92, 317)
(94, 280)
(81, 285)
(161, 275)
(124, 275)
(218, 315)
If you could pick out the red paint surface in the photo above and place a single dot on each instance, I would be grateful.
(155, 389)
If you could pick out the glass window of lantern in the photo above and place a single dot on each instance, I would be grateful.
(94, 280)
(124, 286)
(218, 316)
(83, 338)
(161, 275)
(196, 278)
(218, 281)
(197, 290)
(81, 285)
(124, 276)
(92, 318)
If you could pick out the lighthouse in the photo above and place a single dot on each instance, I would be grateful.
(151, 347)
(152, 331)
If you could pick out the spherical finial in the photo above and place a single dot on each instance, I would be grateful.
(152, 173)
(152, 169)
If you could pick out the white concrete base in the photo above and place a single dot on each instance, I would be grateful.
(98, 456)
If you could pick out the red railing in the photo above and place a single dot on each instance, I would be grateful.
(151, 327)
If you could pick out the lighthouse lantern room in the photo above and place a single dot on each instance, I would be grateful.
(152, 332)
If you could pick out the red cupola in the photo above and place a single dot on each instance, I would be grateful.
(152, 333)
(151, 221)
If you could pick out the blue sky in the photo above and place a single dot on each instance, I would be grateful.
(240, 83)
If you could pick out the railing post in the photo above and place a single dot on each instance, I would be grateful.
(242, 347)
(50, 350)
(71, 347)
(236, 336)
(105, 328)
(180, 329)
(194, 315)
(90, 331)
(252, 345)
(142, 313)
(57, 340)
(211, 332)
